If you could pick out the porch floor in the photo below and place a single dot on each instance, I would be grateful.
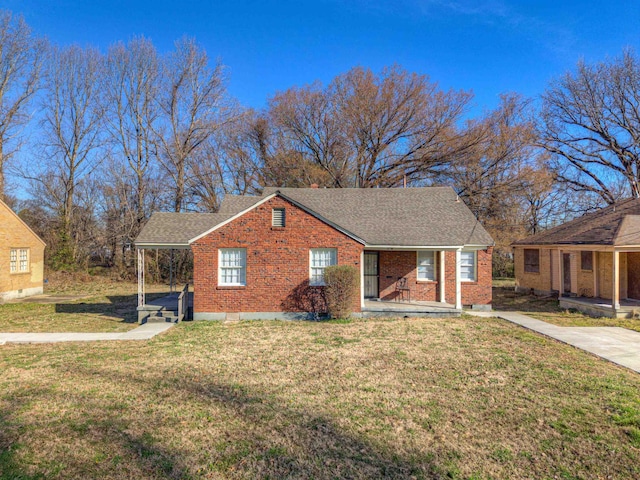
(170, 302)
(602, 307)
(405, 308)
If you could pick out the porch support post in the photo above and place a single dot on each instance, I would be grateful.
(141, 299)
(560, 274)
(596, 283)
(615, 297)
(458, 282)
(362, 280)
(441, 278)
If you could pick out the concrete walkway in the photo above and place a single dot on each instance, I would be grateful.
(143, 332)
(618, 345)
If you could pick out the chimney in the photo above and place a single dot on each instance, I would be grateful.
(314, 185)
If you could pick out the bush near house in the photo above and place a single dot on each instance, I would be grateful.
(342, 287)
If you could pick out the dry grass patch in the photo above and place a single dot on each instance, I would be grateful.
(106, 306)
(413, 398)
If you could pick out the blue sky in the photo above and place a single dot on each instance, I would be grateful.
(489, 47)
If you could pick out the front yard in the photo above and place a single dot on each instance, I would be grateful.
(409, 398)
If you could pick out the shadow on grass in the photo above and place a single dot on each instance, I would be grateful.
(264, 437)
(507, 299)
(122, 307)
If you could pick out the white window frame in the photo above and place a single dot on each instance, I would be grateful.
(23, 260)
(419, 266)
(473, 265)
(13, 260)
(316, 271)
(19, 260)
(241, 267)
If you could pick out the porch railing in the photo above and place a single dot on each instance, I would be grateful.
(183, 303)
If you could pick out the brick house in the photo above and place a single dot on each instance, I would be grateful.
(263, 256)
(21, 257)
(592, 262)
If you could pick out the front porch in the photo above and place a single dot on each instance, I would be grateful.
(601, 307)
(381, 308)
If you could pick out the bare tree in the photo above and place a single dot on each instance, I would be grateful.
(194, 103)
(132, 85)
(368, 130)
(20, 66)
(590, 123)
(71, 133)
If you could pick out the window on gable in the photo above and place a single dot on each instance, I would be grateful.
(19, 260)
(278, 217)
(232, 267)
(319, 259)
(426, 266)
(532, 260)
(468, 266)
(586, 261)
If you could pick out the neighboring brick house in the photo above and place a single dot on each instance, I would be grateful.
(263, 256)
(21, 257)
(592, 262)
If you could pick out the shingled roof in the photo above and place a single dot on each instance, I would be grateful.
(394, 217)
(617, 225)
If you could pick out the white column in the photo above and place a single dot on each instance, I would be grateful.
(441, 278)
(560, 273)
(362, 280)
(141, 299)
(458, 282)
(615, 297)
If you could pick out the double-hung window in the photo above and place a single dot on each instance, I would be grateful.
(19, 260)
(532, 260)
(468, 265)
(233, 266)
(426, 266)
(319, 259)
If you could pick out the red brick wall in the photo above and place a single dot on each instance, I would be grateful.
(397, 264)
(277, 273)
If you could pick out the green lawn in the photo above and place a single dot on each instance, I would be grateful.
(411, 398)
(106, 307)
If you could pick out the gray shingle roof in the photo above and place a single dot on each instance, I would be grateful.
(431, 216)
(614, 225)
(177, 228)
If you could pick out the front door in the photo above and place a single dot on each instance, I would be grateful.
(371, 274)
(566, 272)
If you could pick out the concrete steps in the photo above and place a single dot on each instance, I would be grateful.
(163, 316)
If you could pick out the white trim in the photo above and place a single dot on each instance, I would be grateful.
(242, 267)
(441, 279)
(458, 281)
(311, 267)
(433, 264)
(424, 247)
(362, 280)
(475, 265)
(163, 246)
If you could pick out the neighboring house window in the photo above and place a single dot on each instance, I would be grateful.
(19, 260)
(586, 261)
(531, 260)
(319, 259)
(468, 266)
(233, 265)
(426, 266)
(277, 217)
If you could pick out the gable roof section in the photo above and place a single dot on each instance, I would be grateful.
(613, 225)
(22, 222)
(428, 216)
(389, 217)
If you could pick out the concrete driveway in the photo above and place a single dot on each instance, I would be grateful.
(618, 345)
